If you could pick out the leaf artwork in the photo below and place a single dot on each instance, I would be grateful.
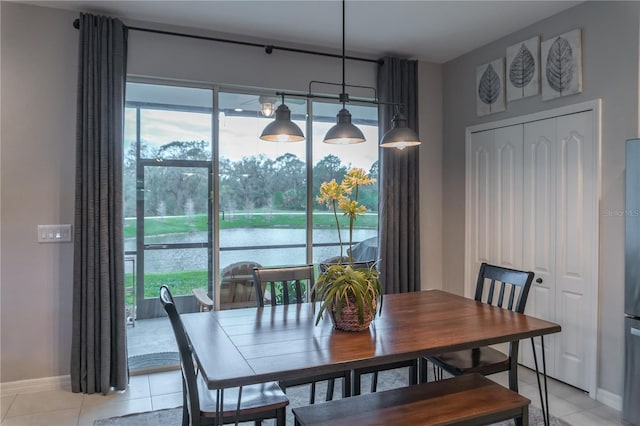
(560, 65)
(489, 87)
(522, 68)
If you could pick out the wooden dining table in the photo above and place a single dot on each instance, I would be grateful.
(254, 345)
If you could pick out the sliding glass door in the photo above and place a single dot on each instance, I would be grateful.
(176, 244)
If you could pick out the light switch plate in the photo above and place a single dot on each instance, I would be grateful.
(54, 233)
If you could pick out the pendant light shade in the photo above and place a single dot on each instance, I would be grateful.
(400, 136)
(282, 129)
(344, 132)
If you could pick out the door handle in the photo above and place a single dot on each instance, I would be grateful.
(154, 246)
(539, 280)
(635, 331)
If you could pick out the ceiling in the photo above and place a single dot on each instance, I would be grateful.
(435, 31)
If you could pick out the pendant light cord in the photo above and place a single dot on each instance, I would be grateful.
(343, 50)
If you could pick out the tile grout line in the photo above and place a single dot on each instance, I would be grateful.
(8, 408)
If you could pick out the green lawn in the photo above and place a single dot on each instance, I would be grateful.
(178, 224)
(180, 283)
(183, 282)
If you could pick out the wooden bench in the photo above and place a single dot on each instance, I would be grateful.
(469, 399)
(204, 301)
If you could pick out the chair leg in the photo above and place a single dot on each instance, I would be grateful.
(437, 373)
(331, 383)
(281, 417)
(424, 370)
(513, 379)
(413, 373)
(374, 382)
(357, 382)
(185, 410)
(258, 422)
(346, 385)
(312, 397)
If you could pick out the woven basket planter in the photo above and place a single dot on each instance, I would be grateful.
(348, 319)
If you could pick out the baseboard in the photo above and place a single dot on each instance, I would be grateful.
(35, 385)
(609, 399)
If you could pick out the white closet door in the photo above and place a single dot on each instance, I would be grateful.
(576, 208)
(532, 204)
(539, 230)
(481, 152)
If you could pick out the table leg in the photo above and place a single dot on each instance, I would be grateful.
(544, 402)
(219, 396)
(238, 406)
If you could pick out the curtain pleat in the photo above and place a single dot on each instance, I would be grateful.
(98, 352)
(399, 185)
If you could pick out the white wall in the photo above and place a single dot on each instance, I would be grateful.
(610, 32)
(39, 57)
(39, 61)
(430, 128)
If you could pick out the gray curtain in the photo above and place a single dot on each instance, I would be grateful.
(399, 186)
(98, 352)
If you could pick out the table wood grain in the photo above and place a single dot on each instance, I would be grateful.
(254, 345)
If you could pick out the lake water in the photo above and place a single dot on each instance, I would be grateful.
(238, 238)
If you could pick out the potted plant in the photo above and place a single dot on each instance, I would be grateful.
(352, 295)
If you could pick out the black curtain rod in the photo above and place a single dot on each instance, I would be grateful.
(268, 48)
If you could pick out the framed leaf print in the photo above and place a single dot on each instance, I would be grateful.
(562, 65)
(490, 87)
(523, 69)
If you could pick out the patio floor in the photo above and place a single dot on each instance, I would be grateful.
(150, 336)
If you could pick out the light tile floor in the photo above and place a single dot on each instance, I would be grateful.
(164, 390)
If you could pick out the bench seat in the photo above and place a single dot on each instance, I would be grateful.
(469, 399)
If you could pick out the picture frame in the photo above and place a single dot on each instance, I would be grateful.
(562, 65)
(523, 69)
(490, 87)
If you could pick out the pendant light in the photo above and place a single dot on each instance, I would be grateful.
(344, 132)
(282, 129)
(400, 136)
(267, 105)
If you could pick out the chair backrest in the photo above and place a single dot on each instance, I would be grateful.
(285, 285)
(239, 268)
(235, 287)
(503, 282)
(186, 355)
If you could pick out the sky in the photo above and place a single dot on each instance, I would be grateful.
(239, 136)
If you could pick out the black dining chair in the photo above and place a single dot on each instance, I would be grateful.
(257, 402)
(374, 370)
(291, 285)
(507, 289)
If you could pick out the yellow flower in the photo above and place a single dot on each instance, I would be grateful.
(356, 177)
(330, 192)
(351, 208)
(337, 196)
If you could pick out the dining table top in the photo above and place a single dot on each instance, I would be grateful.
(254, 345)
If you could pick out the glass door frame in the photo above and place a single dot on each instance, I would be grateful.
(150, 308)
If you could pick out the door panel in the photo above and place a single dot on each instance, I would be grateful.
(176, 245)
(577, 205)
(507, 204)
(482, 151)
(539, 229)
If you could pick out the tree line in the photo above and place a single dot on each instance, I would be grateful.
(254, 182)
